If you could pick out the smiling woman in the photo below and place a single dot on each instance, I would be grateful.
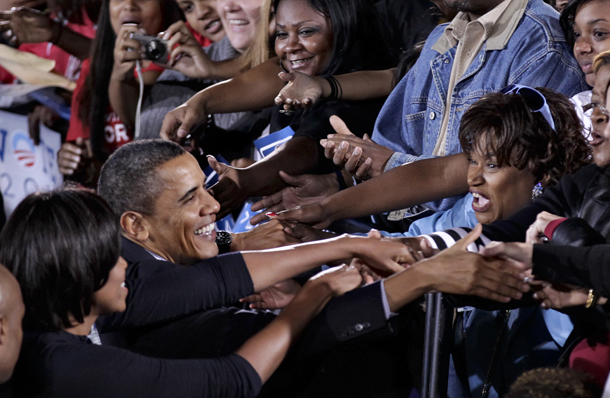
(586, 25)
(240, 19)
(306, 46)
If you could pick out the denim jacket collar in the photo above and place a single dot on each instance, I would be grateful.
(502, 31)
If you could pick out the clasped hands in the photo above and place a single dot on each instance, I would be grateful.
(549, 294)
(361, 157)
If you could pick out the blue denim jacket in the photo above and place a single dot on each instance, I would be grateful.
(535, 55)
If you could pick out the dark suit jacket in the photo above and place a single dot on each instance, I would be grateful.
(351, 315)
(356, 320)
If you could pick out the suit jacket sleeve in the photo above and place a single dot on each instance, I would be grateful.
(356, 313)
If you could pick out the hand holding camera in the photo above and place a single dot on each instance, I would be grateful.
(126, 51)
(153, 48)
(186, 54)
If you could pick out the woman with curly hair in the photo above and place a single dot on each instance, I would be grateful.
(517, 144)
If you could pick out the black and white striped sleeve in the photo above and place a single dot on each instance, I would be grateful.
(444, 239)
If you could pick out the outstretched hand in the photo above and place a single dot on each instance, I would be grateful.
(301, 92)
(368, 275)
(26, 25)
(458, 271)
(265, 236)
(340, 279)
(558, 295)
(520, 254)
(361, 157)
(302, 190)
(304, 232)
(313, 214)
(180, 124)
(387, 256)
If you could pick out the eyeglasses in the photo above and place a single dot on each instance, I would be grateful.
(534, 100)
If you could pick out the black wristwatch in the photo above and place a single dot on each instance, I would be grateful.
(223, 241)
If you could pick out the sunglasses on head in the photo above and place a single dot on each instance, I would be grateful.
(534, 100)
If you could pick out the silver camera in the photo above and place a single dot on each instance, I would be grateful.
(155, 49)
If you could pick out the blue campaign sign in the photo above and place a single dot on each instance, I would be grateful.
(243, 220)
(267, 144)
(25, 167)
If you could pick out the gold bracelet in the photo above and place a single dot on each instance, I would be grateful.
(591, 299)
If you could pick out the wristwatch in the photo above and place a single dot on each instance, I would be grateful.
(223, 241)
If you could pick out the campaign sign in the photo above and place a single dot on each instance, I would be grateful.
(268, 143)
(211, 177)
(24, 167)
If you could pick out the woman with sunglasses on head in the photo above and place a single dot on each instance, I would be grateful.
(515, 151)
(74, 289)
(518, 142)
(576, 277)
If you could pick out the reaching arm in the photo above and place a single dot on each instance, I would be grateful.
(457, 271)
(74, 43)
(268, 267)
(266, 350)
(401, 187)
(254, 89)
(297, 156)
(302, 91)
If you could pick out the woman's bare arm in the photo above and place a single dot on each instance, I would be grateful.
(303, 91)
(254, 89)
(408, 185)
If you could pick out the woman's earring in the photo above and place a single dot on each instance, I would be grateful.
(537, 191)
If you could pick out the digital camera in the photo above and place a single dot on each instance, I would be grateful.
(155, 49)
